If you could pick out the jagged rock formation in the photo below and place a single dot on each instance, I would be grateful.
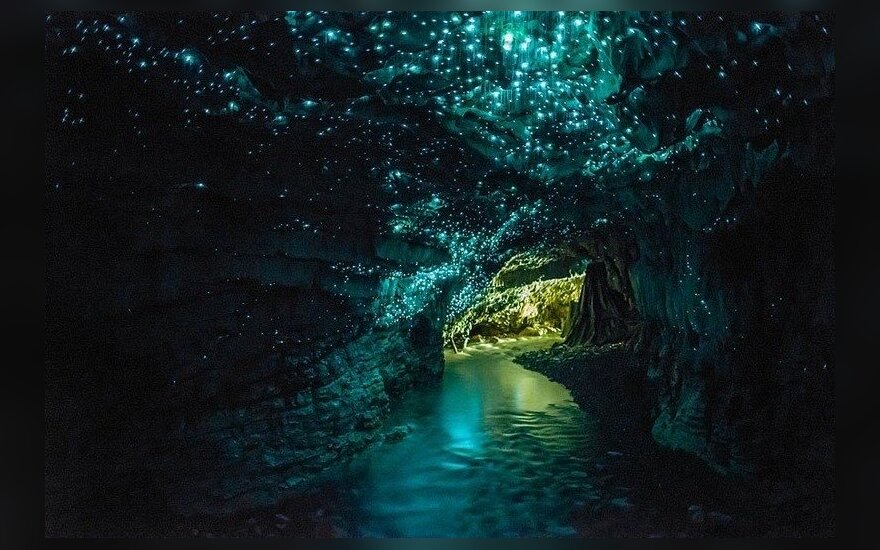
(726, 343)
(280, 440)
(602, 315)
(605, 312)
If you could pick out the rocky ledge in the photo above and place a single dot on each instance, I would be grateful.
(664, 492)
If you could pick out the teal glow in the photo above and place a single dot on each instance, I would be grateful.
(492, 433)
(523, 93)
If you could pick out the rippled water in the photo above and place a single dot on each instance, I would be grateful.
(495, 450)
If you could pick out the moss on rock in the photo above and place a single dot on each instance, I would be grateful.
(521, 300)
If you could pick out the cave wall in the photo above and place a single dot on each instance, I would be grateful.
(206, 354)
(738, 328)
(605, 311)
(733, 275)
(252, 452)
(724, 288)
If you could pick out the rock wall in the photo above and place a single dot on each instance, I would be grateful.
(737, 325)
(605, 311)
(208, 356)
(733, 276)
(732, 314)
(280, 441)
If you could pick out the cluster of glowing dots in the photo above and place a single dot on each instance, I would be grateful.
(534, 82)
(520, 90)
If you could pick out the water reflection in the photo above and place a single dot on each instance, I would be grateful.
(495, 450)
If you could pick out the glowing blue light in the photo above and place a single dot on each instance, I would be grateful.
(508, 41)
(188, 58)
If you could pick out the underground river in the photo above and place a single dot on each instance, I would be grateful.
(493, 450)
(497, 450)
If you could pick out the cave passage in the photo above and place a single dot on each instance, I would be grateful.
(399, 273)
(535, 293)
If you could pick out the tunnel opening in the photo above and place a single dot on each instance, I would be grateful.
(579, 291)
(533, 294)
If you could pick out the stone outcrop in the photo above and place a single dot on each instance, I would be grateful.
(605, 312)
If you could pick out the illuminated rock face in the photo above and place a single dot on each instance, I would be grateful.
(531, 295)
(233, 200)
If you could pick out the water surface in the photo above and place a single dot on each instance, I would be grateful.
(494, 450)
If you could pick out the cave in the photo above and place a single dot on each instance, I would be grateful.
(439, 274)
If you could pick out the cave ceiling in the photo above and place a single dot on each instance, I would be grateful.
(476, 131)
